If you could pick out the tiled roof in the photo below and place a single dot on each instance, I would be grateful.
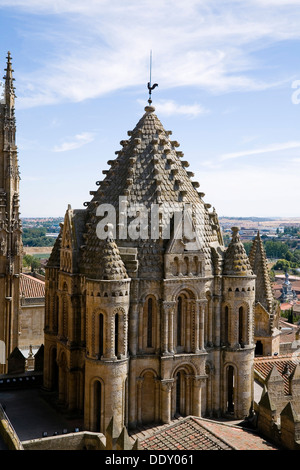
(264, 365)
(192, 433)
(286, 306)
(288, 331)
(106, 262)
(31, 287)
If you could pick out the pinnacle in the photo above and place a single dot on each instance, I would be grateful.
(236, 261)
(258, 261)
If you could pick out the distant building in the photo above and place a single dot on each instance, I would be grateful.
(287, 292)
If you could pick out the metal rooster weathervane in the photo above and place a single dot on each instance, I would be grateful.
(151, 87)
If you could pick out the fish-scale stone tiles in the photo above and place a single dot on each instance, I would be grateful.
(149, 170)
(236, 260)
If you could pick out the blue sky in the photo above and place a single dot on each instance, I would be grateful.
(226, 72)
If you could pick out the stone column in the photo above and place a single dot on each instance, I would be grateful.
(157, 400)
(217, 313)
(210, 323)
(196, 328)
(158, 327)
(132, 391)
(201, 324)
(188, 405)
(133, 329)
(166, 387)
(140, 328)
(167, 307)
(124, 337)
(139, 381)
(197, 385)
(171, 330)
(188, 332)
(110, 335)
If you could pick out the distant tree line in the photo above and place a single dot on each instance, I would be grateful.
(36, 237)
(288, 259)
(31, 262)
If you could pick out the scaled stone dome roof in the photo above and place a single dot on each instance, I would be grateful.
(149, 170)
(106, 262)
(236, 262)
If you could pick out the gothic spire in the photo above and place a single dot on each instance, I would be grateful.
(258, 261)
(9, 90)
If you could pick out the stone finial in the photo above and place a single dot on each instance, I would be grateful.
(149, 109)
(267, 403)
(236, 262)
(290, 413)
(235, 233)
(136, 445)
(112, 434)
(123, 441)
(274, 376)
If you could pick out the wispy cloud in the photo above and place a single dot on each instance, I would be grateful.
(250, 190)
(171, 108)
(104, 45)
(77, 141)
(267, 149)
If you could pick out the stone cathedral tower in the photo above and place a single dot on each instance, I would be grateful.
(156, 318)
(10, 224)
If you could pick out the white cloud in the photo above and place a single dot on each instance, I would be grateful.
(104, 45)
(267, 149)
(171, 108)
(78, 141)
(251, 191)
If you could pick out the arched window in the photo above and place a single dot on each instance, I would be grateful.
(179, 320)
(182, 396)
(101, 325)
(230, 389)
(97, 405)
(259, 348)
(178, 393)
(226, 326)
(65, 315)
(149, 322)
(241, 326)
(116, 334)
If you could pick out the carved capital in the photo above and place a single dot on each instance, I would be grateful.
(169, 306)
(167, 384)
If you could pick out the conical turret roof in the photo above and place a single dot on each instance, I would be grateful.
(149, 170)
(106, 261)
(258, 261)
(236, 262)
